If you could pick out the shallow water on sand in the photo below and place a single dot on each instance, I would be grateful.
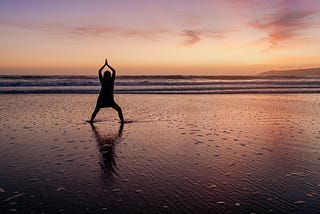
(175, 154)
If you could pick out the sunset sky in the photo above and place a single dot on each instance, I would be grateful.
(205, 37)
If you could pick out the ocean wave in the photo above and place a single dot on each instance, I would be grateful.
(160, 84)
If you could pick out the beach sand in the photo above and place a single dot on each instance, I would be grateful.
(175, 154)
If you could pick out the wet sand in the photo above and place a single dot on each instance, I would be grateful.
(175, 154)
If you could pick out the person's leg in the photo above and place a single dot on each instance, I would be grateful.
(95, 112)
(118, 109)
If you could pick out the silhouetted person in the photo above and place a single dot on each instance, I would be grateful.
(106, 96)
(106, 144)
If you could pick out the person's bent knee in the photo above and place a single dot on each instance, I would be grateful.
(117, 107)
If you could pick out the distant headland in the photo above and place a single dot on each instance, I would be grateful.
(293, 72)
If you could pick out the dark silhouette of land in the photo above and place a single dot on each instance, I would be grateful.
(106, 145)
(294, 72)
(106, 96)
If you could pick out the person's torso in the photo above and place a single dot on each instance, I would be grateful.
(107, 88)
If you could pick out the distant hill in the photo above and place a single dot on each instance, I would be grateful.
(295, 72)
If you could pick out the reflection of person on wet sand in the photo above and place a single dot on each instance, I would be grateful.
(106, 146)
(106, 96)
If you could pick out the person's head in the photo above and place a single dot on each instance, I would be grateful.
(106, 75)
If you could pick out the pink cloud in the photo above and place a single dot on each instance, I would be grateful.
(194, 36)
(243, 3)
(84, 30)
(286, 25)
(189, 36)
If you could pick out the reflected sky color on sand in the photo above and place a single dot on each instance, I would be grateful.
(179, 154)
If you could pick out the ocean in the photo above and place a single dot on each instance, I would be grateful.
(61, 84)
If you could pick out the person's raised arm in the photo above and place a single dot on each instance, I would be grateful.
(100, 71)
(113, 76)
